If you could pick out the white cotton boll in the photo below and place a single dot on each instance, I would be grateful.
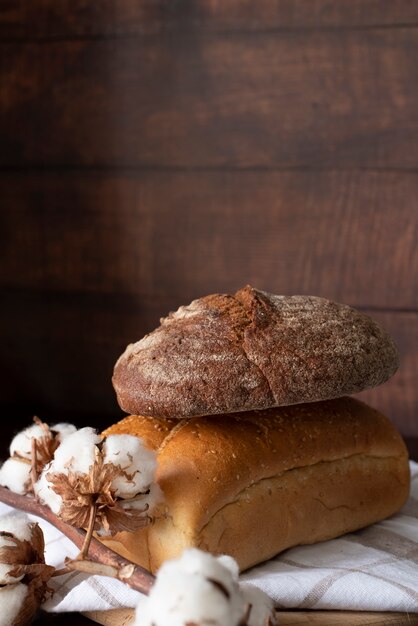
(130, 454)
(63, 430)
(45, 493)
(5, 579)
(194, 561)
(230, 563)
(183, 599)
(17, 524)
(21, 444)
(146, 503)
(197, 589)
(12, 598)
(152, 499)
(15, 475)
(77, 452)
(261, 606)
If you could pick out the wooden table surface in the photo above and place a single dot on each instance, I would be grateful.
(291, 618)
(287, 618)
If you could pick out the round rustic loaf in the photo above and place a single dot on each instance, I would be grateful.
(253, 350)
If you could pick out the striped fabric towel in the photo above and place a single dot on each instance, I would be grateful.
(374, 569)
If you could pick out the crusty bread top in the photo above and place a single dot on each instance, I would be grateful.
(203, 463)
(254, 350)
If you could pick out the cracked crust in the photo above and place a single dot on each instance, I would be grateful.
(282, 476)
(254, 350)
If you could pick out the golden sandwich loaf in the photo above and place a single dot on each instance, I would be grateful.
(251, 484)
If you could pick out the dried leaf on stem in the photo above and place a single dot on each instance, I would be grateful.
(140, 579)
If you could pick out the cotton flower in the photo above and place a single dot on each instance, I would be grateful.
(77, 453)
(198, 589)
(114, 475)
(21, 444)
(195, 589)
(259, 607)
(15, 474)
(23, 573)
(14, 527)
(45, 493)
(12, 600)
(130, 454)
(39, 440)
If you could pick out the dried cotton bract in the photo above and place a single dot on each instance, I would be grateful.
(23, 573)
(115, 475)
(199, 589)
(15, 472)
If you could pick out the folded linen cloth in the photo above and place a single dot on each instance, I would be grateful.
(374, 569)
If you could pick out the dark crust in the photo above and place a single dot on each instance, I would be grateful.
(254, 350)
(313, 349)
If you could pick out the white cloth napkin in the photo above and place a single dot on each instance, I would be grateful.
(374, 569)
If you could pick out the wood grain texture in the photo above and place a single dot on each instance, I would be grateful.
(236, 100)
(77, 18)
(125, 617)
(116, 617)
(347, 236)
(65, 619)
(346, 618)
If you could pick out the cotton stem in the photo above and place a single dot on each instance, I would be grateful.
(89, 533)
(136, 576)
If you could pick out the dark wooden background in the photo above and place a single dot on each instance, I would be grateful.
(153, 151)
